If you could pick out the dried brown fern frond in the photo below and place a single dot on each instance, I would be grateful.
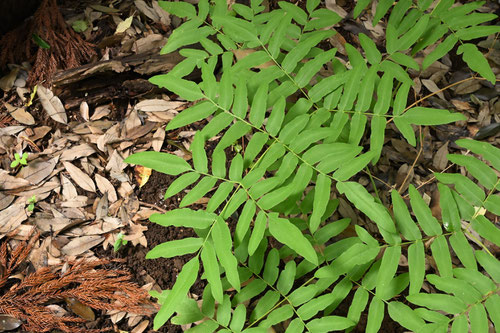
(85, 282)
(67, 48)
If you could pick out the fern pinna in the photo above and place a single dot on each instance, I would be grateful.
(303, 133)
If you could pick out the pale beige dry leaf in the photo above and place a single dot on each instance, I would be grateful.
(160, 117)
(133, 319)
(440, 161)
(80, 178)
(78, 201)
(136, 234)
(102, 208)
(7, 81)
(124, 25)
(81, 244)
(332, 5)
(84, 110)
(8, 182)
(37, 170)
(39, 132)
(52, 224)
(24, 232)
(20, 114)
(5, 200)
(9, 323)
(52, 105)
(149, 43)
(158, 139)
(105, 186)
(68, 189)
(164, 16)
(140, 130)
(76, 152)
(141, 327)
(11, 130)
(74, 213)
(102, 227)
(39, 255)
(100, 111)
(159, 105)
(146, 10)
(40, 191)
(125, 190)
(116, 166)
(11, 218)
(432, 87)
(132, 121)
(116, 316)
(112, 135)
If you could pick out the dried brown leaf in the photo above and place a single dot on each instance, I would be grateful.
(80, 178)
(440, 161)
(20, 114)
(81, 244)
(37, 170)
(105, 186)
(52, 105)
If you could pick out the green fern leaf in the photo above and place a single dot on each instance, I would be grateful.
(184, 281)
(175, 248)
(476, 61)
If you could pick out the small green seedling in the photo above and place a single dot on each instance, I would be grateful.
(79, 26)
(119, 242)
(31, 203)
(19, 160)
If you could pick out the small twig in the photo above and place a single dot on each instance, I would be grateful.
(161, 210)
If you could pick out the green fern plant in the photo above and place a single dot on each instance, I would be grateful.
(304, 132)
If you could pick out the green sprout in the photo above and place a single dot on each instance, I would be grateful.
(31, 203)
(19, 160)
(119, 242)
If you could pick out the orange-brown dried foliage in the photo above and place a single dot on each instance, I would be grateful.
(88, 282)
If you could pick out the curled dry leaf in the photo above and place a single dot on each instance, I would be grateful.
(84, 110)
(52, 105)
(80, 177)
(142, 175)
